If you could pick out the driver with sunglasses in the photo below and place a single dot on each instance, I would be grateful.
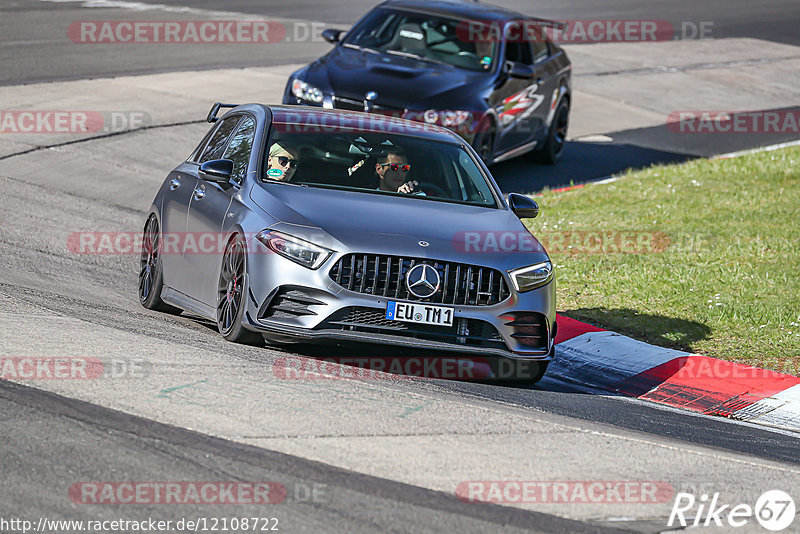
(393, 171)
(282, 158)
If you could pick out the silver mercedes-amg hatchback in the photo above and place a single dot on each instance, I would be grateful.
(295, 223)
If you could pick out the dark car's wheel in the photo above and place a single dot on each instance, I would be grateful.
(484, 141)
(553, 146)
(231, 293)
(150, 275)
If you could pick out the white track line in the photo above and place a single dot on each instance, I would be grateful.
(767, 148)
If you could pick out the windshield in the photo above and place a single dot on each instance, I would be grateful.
(376, 163)
(421, 36)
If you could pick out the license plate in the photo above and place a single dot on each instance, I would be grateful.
(419, 313)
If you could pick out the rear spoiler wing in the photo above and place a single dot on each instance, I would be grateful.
(212, 115)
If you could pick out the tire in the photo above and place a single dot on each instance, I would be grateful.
(231, 293)
(483, 143)
(151, 279)
(553, 147)
(527, 380)
(540, 374)
(536, 376)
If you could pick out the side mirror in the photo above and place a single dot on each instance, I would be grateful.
(331, 35)
(518, 70)
(522, 206)
(216, 170)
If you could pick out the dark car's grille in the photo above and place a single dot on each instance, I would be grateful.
(464, 331)
(352, 104)
(384, 276)
(289, 303)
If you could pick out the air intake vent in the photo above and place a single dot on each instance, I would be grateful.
(289, 303)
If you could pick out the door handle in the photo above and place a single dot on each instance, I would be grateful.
(174, 184)
(199, 193)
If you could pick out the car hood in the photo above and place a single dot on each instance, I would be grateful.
(399, 81)
(348, 221)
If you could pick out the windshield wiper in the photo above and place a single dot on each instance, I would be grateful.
(362, 48)
(414, 56)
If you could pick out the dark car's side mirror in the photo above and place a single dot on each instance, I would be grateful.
(331, 35)
(216, 170)
(522, 206)
(518, 70)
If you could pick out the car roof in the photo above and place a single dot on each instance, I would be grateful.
(457, 9)
(310, 119)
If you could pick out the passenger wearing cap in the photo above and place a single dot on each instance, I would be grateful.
(282, 162)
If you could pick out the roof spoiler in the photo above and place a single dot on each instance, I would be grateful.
(212, 115)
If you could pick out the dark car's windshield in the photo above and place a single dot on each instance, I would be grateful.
(422, 36)
(377, 163)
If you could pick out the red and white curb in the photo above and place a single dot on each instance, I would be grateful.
(590, 357)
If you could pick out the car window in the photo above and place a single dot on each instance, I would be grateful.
(195, 156)
(540, 49)
(518, 52)
(217, 142)
(240, 147)
(422, 36)
(379, 163)
(472, 187)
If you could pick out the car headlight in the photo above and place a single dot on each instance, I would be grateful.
(306, 92)
(448, 119)
(528, 278)
(298, 250)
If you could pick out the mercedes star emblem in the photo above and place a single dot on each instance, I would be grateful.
(422, 281)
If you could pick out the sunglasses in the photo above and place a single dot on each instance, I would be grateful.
(284, 161)
(397, 166)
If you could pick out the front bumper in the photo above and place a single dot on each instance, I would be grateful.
(288, 301)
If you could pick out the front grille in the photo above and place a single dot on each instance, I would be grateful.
(352, 104)
(289, 303)
(384, 276)
(464, 331)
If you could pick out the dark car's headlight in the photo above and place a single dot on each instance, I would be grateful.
(305, 91)
(448, 119)
(298, 250)
(528, 278)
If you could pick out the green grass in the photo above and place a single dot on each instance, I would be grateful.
(726, 282)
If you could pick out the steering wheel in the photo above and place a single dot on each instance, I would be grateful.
(433, 189)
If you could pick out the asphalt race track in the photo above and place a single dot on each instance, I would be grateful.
(383, 455)
(34, 55)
